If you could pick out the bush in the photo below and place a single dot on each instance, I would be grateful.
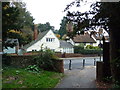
(89, 50)
(45, 59)
(78, 48)
(92, 47)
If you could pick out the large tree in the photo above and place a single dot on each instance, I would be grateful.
(62, 31)
(107, 16)
(15, 17)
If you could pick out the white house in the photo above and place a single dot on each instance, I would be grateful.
(48, 40)
(84, 39)
(99, 33)
(66, 47)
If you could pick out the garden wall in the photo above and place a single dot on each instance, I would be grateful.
(68, 55)
(22, 61)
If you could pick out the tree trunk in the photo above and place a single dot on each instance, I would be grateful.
(115, 54)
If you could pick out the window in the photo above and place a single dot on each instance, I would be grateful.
(91, 43)
(46, 39)
(50, 39)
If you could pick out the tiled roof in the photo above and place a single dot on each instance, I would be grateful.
(83, 39)
(40, 36)
(64, 44)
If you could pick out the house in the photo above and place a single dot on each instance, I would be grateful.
(66, 47)
(14, 43)
(48, 40)
(98, 35)
(82, 39)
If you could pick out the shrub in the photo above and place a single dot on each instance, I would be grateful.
(45, 59)
(92, 47)
(78, 48)
(33, 68)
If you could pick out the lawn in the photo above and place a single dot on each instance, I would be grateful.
(21, 78)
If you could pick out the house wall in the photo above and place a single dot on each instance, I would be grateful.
(67, 50)
(9, 50)
(71, 41)
(53, 45)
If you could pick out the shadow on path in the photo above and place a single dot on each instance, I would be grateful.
(79, 78)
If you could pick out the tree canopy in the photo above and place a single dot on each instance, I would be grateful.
(44, 27)
(62, 31)
(16, 17)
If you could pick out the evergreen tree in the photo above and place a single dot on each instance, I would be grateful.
(62, 31)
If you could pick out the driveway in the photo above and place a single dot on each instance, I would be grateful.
(79, 76)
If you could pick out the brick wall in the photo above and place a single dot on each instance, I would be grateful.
(22, 61)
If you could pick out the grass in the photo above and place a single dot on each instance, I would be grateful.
(20, 78)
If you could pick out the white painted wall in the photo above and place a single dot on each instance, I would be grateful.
(71, 41)
(67, 50)
(54, 45)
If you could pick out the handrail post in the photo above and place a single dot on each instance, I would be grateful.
(83, 62)
(70, 65)
(94, 61)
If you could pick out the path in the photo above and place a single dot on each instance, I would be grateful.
(79, 78)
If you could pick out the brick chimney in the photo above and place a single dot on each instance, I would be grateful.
(35, 32)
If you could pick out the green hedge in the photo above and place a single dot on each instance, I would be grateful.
(78, 49)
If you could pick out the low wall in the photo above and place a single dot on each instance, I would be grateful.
(67, 55)
(22, 61)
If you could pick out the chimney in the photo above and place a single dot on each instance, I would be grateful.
(35, 32)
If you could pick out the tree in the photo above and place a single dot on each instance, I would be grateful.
(105, 15)
(16, 17)
(45, 27)
(62, 29)
(9, 19)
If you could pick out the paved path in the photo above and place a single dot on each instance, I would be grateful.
(79, 78)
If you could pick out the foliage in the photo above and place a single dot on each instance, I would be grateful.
(45, 59)
(20, 78)
(77, 48)
(22, 37)
(9, 15)
(45, 27)
(89, 50)
(62, 31)
(58, 36)
(92, 47)
(16, 17)
(33, 68)
(102, 14)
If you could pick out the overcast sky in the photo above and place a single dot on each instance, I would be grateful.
(50, 10)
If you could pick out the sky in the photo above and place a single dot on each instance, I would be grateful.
(50, 10)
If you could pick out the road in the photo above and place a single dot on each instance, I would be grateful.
(77, 63)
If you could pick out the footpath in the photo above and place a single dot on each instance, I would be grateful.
(79, 78)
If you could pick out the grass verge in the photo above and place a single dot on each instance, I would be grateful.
(20, 78)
